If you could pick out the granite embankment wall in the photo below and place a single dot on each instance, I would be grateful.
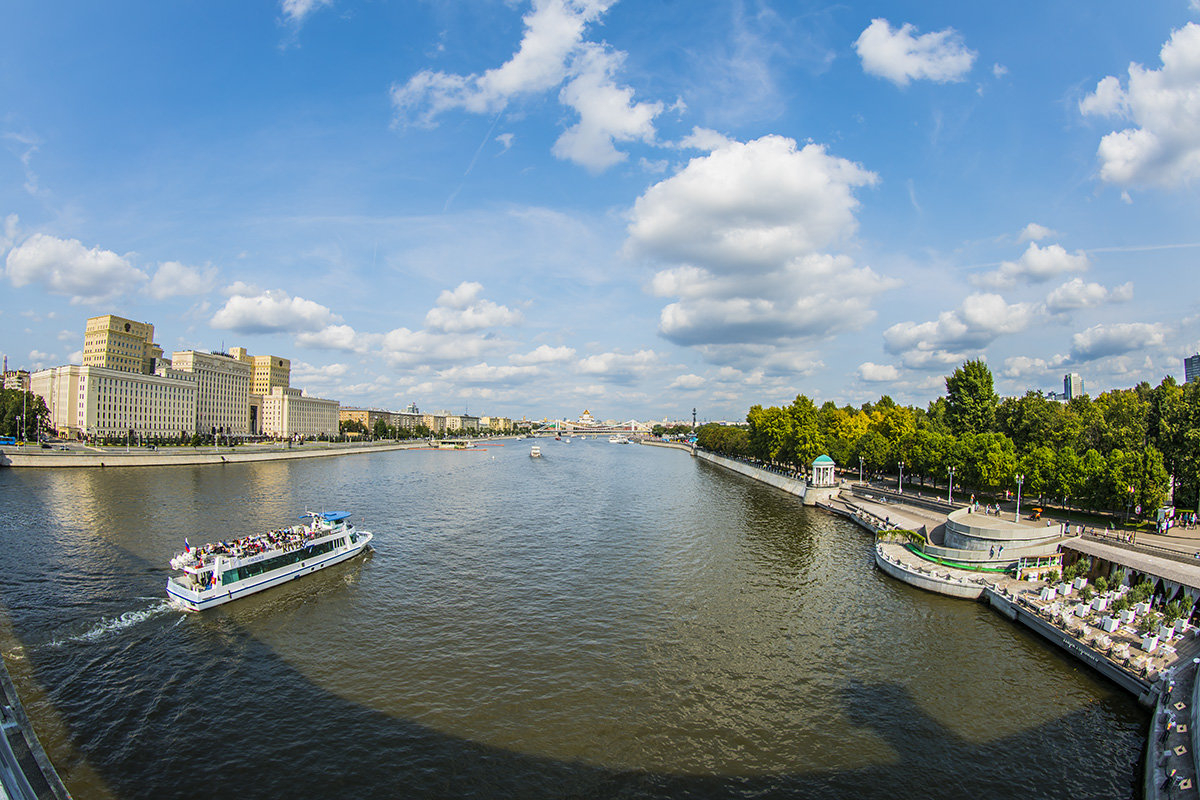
(790, 485)
(174, 457)
(1139, 688)
(930, 583)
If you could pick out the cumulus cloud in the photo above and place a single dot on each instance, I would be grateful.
(456, 330)
(1162, 146)
(8, 234)
(543, 354)
(741, 234)
(901, 56)
(704, 139)
(486, 374)
(173, 279)
(878, 373)
(1036, 265)
(1025, 366)
(688, 381)
(461, 310)
(553, 53)
(607, 113)
(270, 312)
(1034, 232)
(67, 267)
(336, 337)
(1103, 341)
(976, 323)
(619, 367)
(1076, 294)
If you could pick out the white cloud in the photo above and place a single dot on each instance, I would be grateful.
(1036, 265)
(461, 311)
(1076, 294)
(270, 312)
(740, 232)
(66, 267)
(688, 381)
(485, 374)
(980, 320)
(297, 10)
(8, 234)
(1034, 232)
(901, 56)
(705, 139)
(553, 52)
(999, 70)
(1024, 366)
(173, 279)
(336, 337)
(1103, 341)
(1162, 147)
(619, 367)
(878, 373)
(544, 354)
(607, 113)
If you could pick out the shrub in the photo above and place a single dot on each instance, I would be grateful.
(1052, 576)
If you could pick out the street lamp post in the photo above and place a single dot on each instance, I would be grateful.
(1017, 515)
(900, 482)
(950, 488)
(860, 469)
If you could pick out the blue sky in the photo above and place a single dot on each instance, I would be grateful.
(638, 208)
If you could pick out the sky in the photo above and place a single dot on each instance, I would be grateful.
(529, 209)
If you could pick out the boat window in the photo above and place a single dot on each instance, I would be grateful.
(354, 538)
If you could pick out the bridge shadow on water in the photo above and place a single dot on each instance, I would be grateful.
(289, 737)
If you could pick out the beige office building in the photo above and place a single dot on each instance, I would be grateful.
(288, 412)
(122, 344)
(266, 372)
(223, 390)
(97, 401)
(501, 424)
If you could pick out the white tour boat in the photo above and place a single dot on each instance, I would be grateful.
(535, 452)
(217, 573)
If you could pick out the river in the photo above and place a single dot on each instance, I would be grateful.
(606, 621)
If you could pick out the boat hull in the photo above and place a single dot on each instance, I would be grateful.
(219, 595)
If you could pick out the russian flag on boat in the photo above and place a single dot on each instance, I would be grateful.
(187, 548)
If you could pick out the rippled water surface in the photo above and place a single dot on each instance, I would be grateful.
(607, 621)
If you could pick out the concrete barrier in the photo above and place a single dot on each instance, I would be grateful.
(930, 583)
(174, 457)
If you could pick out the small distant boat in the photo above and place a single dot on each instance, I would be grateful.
(535, 452)
(618, 440)
(228, 570)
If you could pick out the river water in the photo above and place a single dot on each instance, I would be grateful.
(607, 621)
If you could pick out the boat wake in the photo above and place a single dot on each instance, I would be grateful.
(109, 626)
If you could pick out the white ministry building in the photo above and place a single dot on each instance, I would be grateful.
(223, 390)
(97, 401)
(288, 412)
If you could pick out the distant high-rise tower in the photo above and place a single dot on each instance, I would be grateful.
(121, 344)
(1073, 385)
(1191, 368)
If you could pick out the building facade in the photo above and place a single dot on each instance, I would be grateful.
(223, 391)
(1073, 385)
(288, 413)
(97, 401)
(122, 344)
(1191, 368)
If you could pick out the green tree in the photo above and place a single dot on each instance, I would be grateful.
(1068, 479)
(770, 433)
(808, 443)
(1038, 468)
(971, 399)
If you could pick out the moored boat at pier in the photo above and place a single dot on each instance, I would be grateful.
(228, 570)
